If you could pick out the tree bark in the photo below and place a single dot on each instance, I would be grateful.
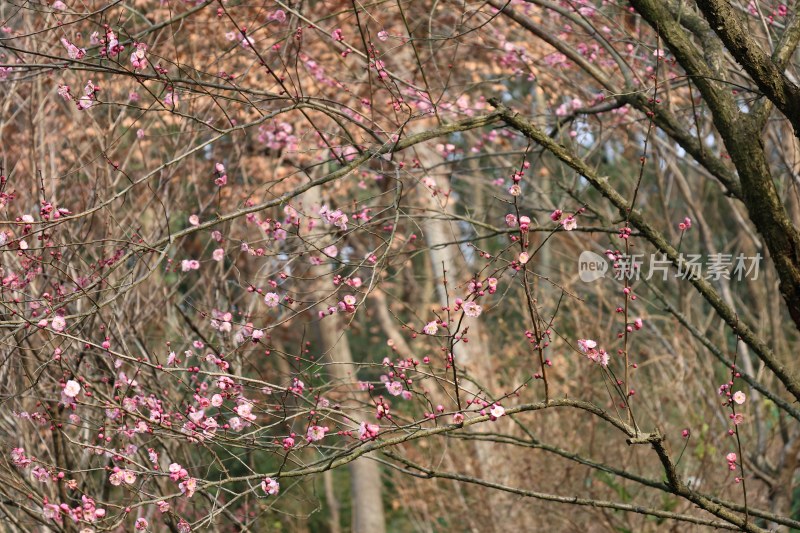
(365, 476)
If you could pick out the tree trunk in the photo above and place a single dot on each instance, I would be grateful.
(334, 521)
(474, 357)
(365, 476)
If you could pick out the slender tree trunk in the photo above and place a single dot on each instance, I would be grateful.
(365, 476)
(389, 326)
(474, 357)
(334, 521)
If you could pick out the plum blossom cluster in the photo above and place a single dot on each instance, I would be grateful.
(781, 10)
(368, 431)
(245, 411)
(336, 217)
(270, 486)
(731, 458)
(186, 484)
(49, 211)
(476, 287)
(380, 68)
(278, 136)
(589, 348)
(118, 476)
(469, 307)
(523, 224)
(221, 321)
(199, 426)
(346, 305)
(278, 16)
(733, 399)
(395, 388)
(398, 380)
(112, 45)
(568, 107)
(569, 222)
(85, 101)
(73, 51)
(243, 39)
(87, 511)
(516, 178)
(248, 331)
(58, 323)
(298, 387)
(19, 458)
(139, 56)
(189, 265)
(484, 407)
(354, 282)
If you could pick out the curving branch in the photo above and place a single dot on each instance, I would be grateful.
(429, 473)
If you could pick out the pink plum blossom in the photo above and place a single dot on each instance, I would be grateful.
(270, 486)
(395, 388)
(271, 299)
(72, 389)
(138, 56)
(739, 397)
(278, 16)
(188, 487)
(73, 51)
(497, 411)
(316, 433)
(471, 309)
(58, 323)
(368, 431)
(189, 264)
